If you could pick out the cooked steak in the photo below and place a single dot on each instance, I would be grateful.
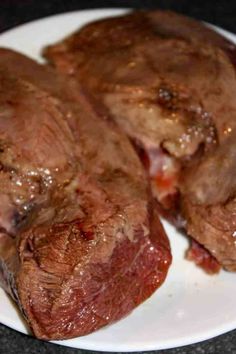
(81, 244)
(169, 82)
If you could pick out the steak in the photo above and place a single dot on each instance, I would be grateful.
(81, 244)
(169, 82)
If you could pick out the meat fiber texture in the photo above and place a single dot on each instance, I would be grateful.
(81, 244)
(169, 82)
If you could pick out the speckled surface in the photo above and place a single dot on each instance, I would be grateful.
(15, 12)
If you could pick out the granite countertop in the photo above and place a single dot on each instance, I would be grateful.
(15, 12)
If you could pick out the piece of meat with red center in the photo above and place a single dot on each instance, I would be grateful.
(169, 82)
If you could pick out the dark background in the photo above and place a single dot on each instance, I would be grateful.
(15, 12)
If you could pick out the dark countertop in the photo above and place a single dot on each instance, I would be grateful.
(15, 12)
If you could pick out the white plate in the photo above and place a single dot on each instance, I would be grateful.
(191, 306)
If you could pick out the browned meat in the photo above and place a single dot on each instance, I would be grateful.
(169, 82)
(81, 244)
(216, 226)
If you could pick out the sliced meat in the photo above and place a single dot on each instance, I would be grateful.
(202, 258)
(169, 82)
(217, 223)
(81, 244)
